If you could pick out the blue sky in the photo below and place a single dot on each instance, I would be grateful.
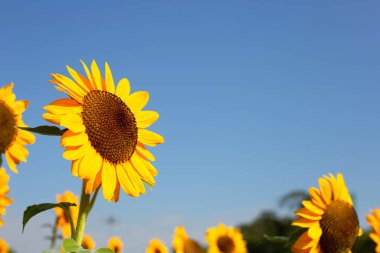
(256, 98)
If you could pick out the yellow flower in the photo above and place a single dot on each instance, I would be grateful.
(88, 242)
(107, 133)
(13, 139)
(4, 190)
(330, 218)
(4, 247)
(183, 244)
(225, 240)
(115, 244)
(156, 246)
(62, 219)
(374, 221)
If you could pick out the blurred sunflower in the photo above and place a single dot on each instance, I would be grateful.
(13, 139)
(62, 219)
(374, 221)
(4, 247)
(88, 242)
(107, 133)
(115, 244)
(330, 218)
(183, 244)
(4, 190)
(225, 240)
(156, 246)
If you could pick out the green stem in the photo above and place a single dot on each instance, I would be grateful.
(92, 202)
(82, 216)
(54, 235)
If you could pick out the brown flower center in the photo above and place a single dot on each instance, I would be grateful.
(110, 126)
(191, 246)
(156, 250)
(340, 227)
(225, 244)
(116, 249)
(7, 127)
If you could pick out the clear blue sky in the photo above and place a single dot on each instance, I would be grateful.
(256, 98)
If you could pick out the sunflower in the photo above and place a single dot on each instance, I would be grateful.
(374, 221)
(156, 246)
(225, 240)
(330, 218)
(4, 247)
(88, 242)
(107, 137)
(62, 219)
(13, 139)
(183, 244)
(115, 244)
(4, 190)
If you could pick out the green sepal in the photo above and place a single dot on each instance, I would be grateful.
(277, 239)
(69, 245)
(33, 210)
(104, 250)
(285, 240)
(45, 130)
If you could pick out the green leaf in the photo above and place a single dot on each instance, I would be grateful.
(1, 160)
(69, 245)
(277, 239)
(45, 130)
(294, 236)
(104, 250)
(33, 210)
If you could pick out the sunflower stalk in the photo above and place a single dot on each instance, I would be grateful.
(82, 216)
(54, 235)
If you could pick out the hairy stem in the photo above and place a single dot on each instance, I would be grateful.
(82, 216)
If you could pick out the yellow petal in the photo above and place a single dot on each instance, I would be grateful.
(79, 79)
(97, 76)
(325, 190)
(136, 101)
(145, 119)
(90, 165)
(125, 182)
(69, 138)
(143, 152)
(110, 85)
(90, 77)
(74, 153)
(315, 231)
(142, 170)
(149, 138)
(123, 88)
(309, 205)
(11, 162)
(73, 122)
(108, 180)
(20, 106)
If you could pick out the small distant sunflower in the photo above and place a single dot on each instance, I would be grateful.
(4, 247)
(115, 244)
(107, 133)
(225, 240)
(4, 190)
(156, 246)
(13, 139)
(183, 244)
(62, 219)
(88, 242)
(374, 221)
(330, 218)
